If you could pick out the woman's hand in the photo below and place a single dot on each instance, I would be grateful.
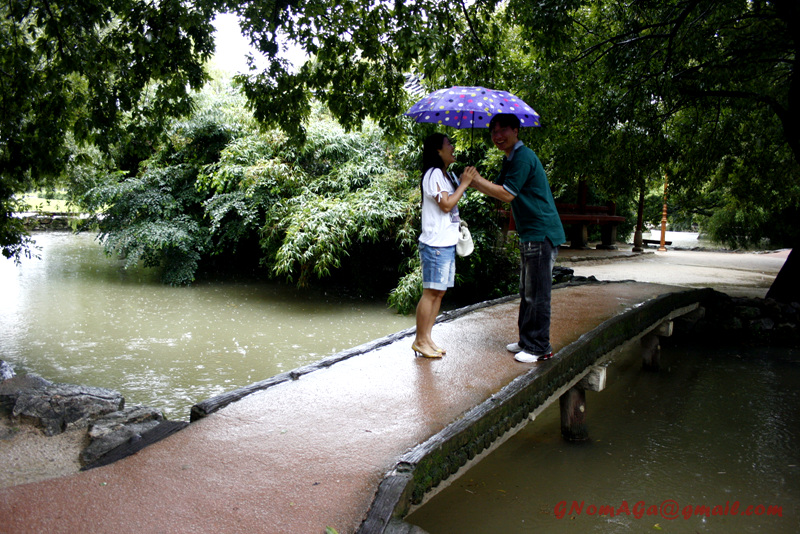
(486, 187)
(447, 201)
(468, 175)
(473, 174)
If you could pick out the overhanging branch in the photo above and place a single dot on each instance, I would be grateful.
(773, 104)
(472, 29)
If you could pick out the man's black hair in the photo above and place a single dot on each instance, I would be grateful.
(505, 120)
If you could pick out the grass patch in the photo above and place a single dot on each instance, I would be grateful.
(36, 202)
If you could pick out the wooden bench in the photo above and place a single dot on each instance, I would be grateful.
(576, 219)
(655, 242)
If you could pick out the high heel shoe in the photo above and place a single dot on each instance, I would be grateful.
(419, 352)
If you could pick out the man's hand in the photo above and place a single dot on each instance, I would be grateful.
(486, 187)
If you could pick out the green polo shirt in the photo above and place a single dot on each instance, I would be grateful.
(534, 209)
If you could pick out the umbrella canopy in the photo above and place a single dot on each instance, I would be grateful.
(470, 107)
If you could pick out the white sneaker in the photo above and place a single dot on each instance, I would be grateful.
(513, 347)
(527, 357)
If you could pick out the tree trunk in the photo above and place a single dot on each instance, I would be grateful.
(638, 245)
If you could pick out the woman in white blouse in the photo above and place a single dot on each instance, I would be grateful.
(441, 191)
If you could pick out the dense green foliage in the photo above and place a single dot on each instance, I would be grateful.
(110, 73)
(343, 206)
(311, 205)
(313, 172)
(217, 181)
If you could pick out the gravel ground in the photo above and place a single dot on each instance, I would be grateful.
(27, 455)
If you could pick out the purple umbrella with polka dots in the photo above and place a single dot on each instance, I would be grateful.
(470, 107)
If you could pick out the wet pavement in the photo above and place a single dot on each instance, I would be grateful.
(309, 453)
(739, 274)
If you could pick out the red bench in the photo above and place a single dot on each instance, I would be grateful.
(576, 219)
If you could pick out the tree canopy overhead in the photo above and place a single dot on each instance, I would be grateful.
(626, 90)
(677, 53)
(703, 89)
(101, 71)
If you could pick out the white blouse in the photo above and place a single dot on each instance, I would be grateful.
(439, 228)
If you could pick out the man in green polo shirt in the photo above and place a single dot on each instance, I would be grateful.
(524, 184)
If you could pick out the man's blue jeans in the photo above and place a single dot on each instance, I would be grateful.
(535, 285)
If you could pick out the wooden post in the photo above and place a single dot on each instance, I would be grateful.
(583, 194)
(638, 245)
(663, 247)
(651, 346)
(580, 230)
(651, 352)
(573, 414)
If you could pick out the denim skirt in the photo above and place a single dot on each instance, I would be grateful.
(438, 266)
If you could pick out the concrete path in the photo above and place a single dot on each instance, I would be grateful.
(739, 274)
(307, 454)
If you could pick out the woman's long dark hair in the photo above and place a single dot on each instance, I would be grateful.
(431, 159)
(430, 152)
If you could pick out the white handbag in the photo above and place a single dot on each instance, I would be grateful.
(464, 247)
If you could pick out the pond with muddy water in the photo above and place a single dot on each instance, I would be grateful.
(77, 316)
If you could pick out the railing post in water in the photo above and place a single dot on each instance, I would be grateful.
(573, 414)
(573, 405)
(651, 346)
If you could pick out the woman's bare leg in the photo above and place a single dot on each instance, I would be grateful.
(427, 311)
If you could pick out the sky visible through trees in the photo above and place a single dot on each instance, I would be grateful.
(233, 47)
